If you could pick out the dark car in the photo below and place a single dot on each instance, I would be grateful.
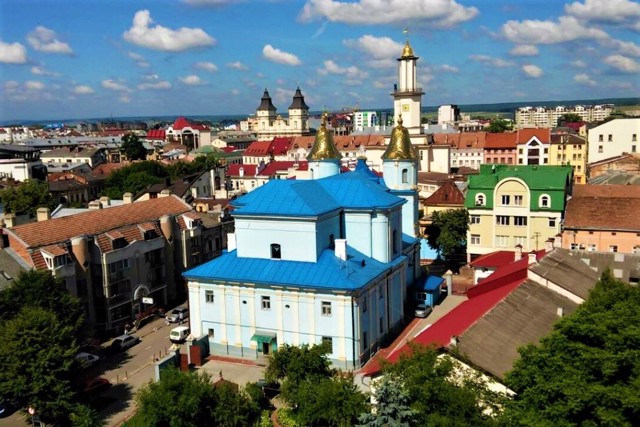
(95, 386)
(5, 409)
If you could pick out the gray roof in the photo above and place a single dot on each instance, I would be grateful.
(525, 316)
(625, 267)
(620, 177)
(10, 267)
(567, 270)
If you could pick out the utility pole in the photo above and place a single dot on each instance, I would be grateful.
(536, 236)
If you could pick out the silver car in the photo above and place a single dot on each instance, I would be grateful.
(174, 315)
(423, 310)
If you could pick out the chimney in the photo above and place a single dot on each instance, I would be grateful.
(231, 242)
(10, 220)
(548, 244)
(532, 257)
(454, 341)
(557, 241)
(127, 198)
(95, 204)
(165, 193)
(518, 254)
(43, 214)
(105, 201)
(560, 312)
(341, 248)
(448, 277)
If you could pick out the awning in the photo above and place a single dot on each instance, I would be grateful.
(263, 336)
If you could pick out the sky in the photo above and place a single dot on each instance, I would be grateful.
(71, 59)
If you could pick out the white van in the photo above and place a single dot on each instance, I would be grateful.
(179, 334)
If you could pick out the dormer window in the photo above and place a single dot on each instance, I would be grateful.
(545, 201)
(480, 199)
(275, 251)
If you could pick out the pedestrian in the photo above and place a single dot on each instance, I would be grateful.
(180, 318)
(127, 329)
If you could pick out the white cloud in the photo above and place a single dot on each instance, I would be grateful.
(524, 50)
(206, 66)
(376, 47)
(161, 85)
(238, 66)
(11, 85)
(622, 63)
(151, 77)
(352, 72)
(163, 38)
(235, 92)
(532, 70)
(125, 99)
(276, 55)
(210, 2)
(83, 90)
(113, 85)
(446, 68)
(626, 48)
(491, 62)
(191, 80)
(624, 13)
(40, 71)
(546, 32)
(45, 40)
(135, 56)
(579, 63)
(33, 85)
(13, 53)
(319, 31)
(438, 13)
(584, 79)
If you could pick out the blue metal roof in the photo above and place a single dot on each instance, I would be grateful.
(349, 190)
(329, 273)
(432, 283)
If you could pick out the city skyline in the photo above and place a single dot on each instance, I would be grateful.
(99, 58)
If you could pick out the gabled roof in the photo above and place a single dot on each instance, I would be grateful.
(461, 140)
(603, 213)
(328, 273)
(447, 195)
(342, 142)
(258, 148)
(506, 140)
(280, 146)
(567, 270)
(248, 170)
(97, 221)
(182, 122)
(156, 134)
(272, 168)
(527, 134)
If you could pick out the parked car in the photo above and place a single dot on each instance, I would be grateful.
(94, 386)
(124, 342)
(87, 359)
(179, 335)
(5, 409)
(174, 315)
(423, 310)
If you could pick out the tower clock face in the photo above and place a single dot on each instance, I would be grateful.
(405, 108)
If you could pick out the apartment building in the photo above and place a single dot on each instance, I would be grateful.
(613, 138)
(547, 117)
(569, 149)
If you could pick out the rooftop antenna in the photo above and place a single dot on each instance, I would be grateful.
(536, 236)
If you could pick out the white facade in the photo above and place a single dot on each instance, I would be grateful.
(448, 114)
(613, 138)
(407, 96)
(548, 117)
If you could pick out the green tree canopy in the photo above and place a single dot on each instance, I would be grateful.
(392, 407)
(447, 233)
(587, 370)
(134, 178)
(27, 197)
(37, 363)
(570, 118)
(132, 147)
(499, 125)
(439, 394)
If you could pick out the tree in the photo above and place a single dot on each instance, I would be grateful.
(38, 288)
(37, 363)
(447, 233)
(587, 370)
(27, 197)
(392, 407)
(134, 178)
(499, 125)
(84, 416)
(441, 394)
(234, 408)
(132, 147)
(570, 118)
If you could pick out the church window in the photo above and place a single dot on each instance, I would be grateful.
(266, 303)
(405, 176)
(275, 251)
(326, 308)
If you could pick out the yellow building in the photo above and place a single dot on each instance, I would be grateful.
(570, 149)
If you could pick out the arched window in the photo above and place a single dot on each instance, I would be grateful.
(480, 199)
(275, 251)
(545, 201)
(405, 176)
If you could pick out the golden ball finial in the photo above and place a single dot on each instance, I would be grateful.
(407, 50)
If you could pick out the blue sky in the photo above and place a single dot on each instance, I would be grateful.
(63, 59)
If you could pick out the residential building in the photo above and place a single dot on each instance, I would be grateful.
(467, 148)
(500, 148)
(513, 205)
(323, 260)
(602, 218)
(613, 138)
(623, 169)
(267, 124)
(192, 135)
(188, 188)
(112, 258)
(569, 149)
(20, 163)
(73, 188)
(547, 117)
(448, 114)
(267, 151)
(533, 146)
(371, 120)
(91, 156)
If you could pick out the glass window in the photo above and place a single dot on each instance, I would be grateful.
(613, 248)
(266, 303)
(517, 200)
(502, 220)
(275, 251)
(326, 308)
(544, 201)
(552, 222)
(327, 342)
(502, 240)
(520, 221)
(405, 176)
(208, 296)
(506, 199)
(599, 148)
(475, 219)
(480, 199)
(475, 239)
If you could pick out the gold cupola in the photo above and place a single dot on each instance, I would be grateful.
(323, 146)
(407, 50)
(400, 147)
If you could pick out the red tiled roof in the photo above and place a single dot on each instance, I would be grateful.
(278, 166)
(156, 134)
(97, 221)
(249, 170)
(447, 194)
(55, 250)
(501, 140)
(182, 122)
(461, 140)
(611, 190)
(494, 259)
(258, 148)
(280, 146)
(525, 135)
(603, 213)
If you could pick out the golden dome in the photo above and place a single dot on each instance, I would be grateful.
(400, 147)
(323, 146)
(407, 51)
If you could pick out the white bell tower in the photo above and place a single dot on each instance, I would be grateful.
(407, 96)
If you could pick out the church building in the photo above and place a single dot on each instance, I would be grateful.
(325, 260)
